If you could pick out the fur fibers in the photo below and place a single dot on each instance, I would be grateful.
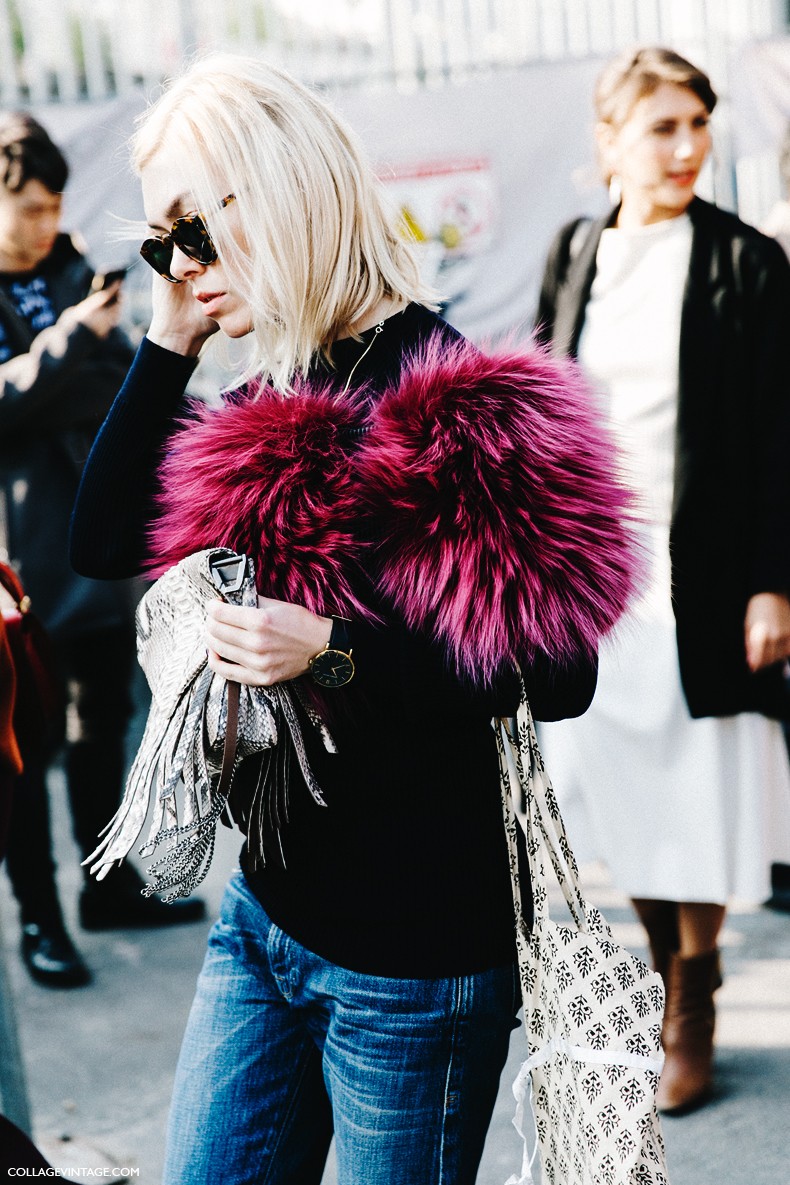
(483, 502)
(268, 476)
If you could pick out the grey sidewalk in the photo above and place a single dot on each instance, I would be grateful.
(100, 1059)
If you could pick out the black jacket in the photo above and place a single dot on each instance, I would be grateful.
(730, 528)
(54, 394)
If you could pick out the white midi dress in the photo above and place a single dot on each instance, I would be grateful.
(678, 809)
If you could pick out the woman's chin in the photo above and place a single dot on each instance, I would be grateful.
(677, 197)
(234, 326)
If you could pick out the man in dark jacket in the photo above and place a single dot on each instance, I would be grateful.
(62, 360)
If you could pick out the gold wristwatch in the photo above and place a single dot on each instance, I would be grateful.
(333, 666)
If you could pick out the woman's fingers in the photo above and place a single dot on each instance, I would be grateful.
(237, 645)
(238, 672)
(270, 644)
(232, 634)
(235, 617)
(767, 630)
(758, 647)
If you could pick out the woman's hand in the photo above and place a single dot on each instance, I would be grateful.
(270, 644)
(767, 630)
(178, 322)
(100, 312)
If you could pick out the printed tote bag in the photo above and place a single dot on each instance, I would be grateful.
(592, 1010)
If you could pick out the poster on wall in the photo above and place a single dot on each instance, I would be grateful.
(483, 173)
(447, 206)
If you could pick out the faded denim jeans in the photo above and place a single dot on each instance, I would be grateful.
(284, 1049)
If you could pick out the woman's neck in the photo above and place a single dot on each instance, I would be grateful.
(636, 211)
(388, 306)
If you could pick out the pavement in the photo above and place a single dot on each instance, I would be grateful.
(99, 1060)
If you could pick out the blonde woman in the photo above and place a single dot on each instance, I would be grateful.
(409, 539)
(678, 312)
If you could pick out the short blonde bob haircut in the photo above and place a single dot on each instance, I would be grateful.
(318, 248)
(637, 73)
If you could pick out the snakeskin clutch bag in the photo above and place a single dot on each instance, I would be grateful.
(183, 771)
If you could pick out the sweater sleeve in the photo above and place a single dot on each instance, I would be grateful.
(392, 662)
(767, 318)
(31, 384)
(115, 500)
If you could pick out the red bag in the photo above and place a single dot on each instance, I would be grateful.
(10, 757)
(38, 693)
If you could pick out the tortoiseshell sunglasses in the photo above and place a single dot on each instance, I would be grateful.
(190, 235)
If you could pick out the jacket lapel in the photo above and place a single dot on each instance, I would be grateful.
(704, 276)
(574, 293)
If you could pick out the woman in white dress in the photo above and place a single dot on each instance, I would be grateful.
(678, 776)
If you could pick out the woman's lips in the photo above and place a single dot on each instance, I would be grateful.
(687, 178)
(210, 301)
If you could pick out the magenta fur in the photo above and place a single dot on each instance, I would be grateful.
(484, 501)
(268, 476)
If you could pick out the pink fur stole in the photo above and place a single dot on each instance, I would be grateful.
(484, 503)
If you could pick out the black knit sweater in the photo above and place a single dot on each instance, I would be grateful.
(404, 872)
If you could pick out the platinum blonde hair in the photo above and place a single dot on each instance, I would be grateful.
(318, 248)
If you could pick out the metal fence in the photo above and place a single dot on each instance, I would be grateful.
(72, 51)
(69, 50)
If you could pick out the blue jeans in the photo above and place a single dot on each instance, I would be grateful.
(283, 1048)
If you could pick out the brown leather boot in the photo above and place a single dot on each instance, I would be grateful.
(687, 1034)
(660, 920)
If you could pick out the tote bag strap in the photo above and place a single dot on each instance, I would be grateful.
(522, 768)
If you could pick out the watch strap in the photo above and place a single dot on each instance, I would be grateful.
(340, 637)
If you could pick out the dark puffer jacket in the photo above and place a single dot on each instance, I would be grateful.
(54, 394)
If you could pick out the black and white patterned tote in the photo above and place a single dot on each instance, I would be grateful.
(592, 1010)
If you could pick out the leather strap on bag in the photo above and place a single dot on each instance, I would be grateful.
(231, 739)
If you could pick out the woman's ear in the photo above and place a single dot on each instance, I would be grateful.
(605, 143)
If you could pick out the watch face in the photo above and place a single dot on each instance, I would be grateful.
(332, 668)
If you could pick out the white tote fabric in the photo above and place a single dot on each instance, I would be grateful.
(592, 1010)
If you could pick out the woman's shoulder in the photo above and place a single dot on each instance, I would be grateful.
(570, 238)
(421, 324)
(410, 337)
(747, 243)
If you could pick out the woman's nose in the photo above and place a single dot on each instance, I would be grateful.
(684, 147)
(182, 267)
